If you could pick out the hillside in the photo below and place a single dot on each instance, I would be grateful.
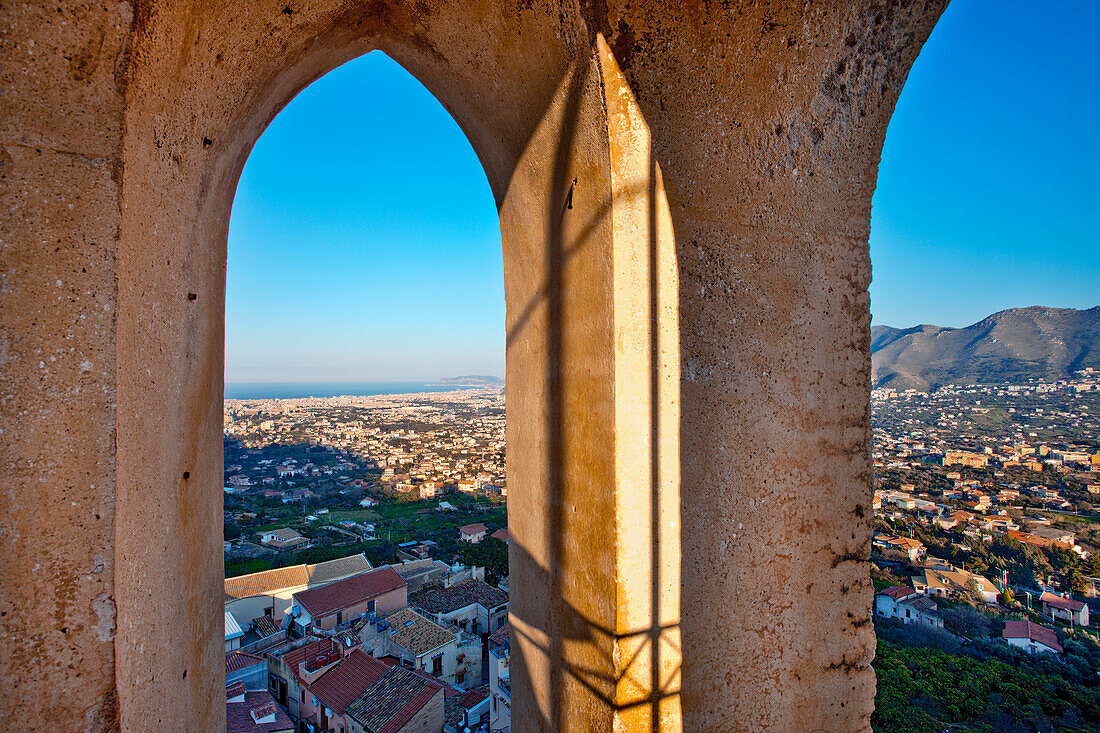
(1009, 346)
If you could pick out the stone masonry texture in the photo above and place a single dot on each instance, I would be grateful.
(684, 192)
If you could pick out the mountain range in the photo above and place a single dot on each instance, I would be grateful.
(471, 380)
(1009, 346)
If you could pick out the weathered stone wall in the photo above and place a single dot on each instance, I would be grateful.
(685, 199)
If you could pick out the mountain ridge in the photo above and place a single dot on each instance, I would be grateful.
(1015, 344)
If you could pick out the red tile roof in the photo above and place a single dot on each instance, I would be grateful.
(393, 700)
(343, 593)
(234, 689)
(472, 528)
(348, 680)
(897, 592)
(474, 697)
(501, 534)
(239, 660)
(238, 715)
(1016, 629)
(1066, 604)
(500, 636)
(294, 658)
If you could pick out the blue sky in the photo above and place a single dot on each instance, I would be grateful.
(364, 244)
(987, 193)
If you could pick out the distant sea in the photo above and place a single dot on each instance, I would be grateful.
(292, 390)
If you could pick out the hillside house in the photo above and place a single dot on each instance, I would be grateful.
(1065, 608)
(425, 645)
(284, 538)
(472, 533)
(948, 581)
(908, 606)
(1032, 638)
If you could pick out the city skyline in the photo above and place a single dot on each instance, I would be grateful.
(364, 244)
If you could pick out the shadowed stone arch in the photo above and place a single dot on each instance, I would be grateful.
(688, 342)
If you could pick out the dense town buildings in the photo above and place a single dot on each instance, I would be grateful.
(957, 468)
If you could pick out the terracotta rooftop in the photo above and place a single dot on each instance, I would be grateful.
(416, 634)
(348, 680)
(1016, 629)
(343, 593)
(1066, 604)
(391, 702)
(437, 599)
(474, 697)
(473, 528)
(286, 534)
(500, 636)
(238, 715)
(921, 603)
(239, 660)
(501, 534)
(294, 658)
(271, 581)
(268, 581)
(897, 592)
(264, 627)
(325, 572)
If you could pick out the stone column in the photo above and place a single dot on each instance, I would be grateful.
(62, 84)
(593, 399)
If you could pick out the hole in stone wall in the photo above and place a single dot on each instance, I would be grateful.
(364, 413)
(983, 419)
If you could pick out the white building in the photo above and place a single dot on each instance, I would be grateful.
(908, 606)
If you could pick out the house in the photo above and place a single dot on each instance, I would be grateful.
(368, 501)
(472, 533)
(913, 549)
(1036, 540)
(965, 458)
(254, 712)
(1030, 637)
(400, 701)
(500, 683)
(356, 693)
(467, 709)
(947, 581)
(287, 669)
(284, 539)
(430, 489)
(908, 606)
(471, 605)
(269, 593)
(501, 534)
(1060, 537)
(248, 669)
(425, 645)
(233, 633)
(322, 609)
(1065, 608)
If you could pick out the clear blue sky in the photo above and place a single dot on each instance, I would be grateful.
(987, 193)
(364, 243)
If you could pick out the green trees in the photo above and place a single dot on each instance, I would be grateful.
(924, 690)
(491, 554)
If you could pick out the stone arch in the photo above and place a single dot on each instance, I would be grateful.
(689, 341)
(575, 183)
